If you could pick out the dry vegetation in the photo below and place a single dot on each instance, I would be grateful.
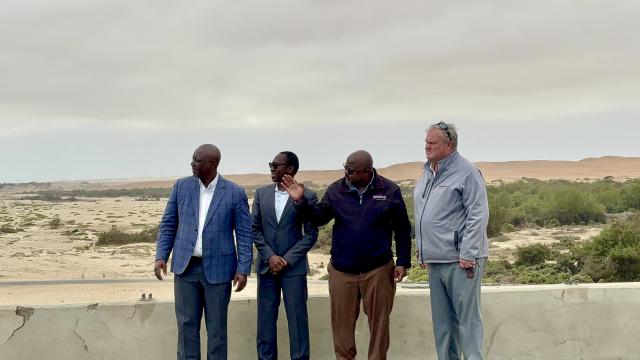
(51, 230)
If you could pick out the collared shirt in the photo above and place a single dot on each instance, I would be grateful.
(355, 189)
(434, 168)
(206, 195)
(281, 202)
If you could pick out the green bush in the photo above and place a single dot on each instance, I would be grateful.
(8, 229)
(624, 263)
(574, 207)
(416, 274)
(116, 236)
(499, 272)
(540, 274)
(507, 228)
(557, 202)
(59, 195)
(631, 196)
(324, 237)
(580, 278)
(532, 255)
(614, 254)
(55, 222)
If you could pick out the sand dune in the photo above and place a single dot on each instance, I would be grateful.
(619, 168)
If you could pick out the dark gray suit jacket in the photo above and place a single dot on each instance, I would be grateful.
(284, 238)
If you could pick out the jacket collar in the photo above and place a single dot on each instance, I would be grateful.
(375, 184)
(444, 163)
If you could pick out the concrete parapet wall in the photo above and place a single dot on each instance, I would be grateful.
(536, 322)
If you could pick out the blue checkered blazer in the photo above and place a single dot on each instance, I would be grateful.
(229, 211)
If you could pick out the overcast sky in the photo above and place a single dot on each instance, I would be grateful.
(112, 89)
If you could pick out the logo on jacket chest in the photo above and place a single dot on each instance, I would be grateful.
(380, 197)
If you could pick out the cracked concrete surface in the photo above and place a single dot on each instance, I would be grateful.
(492, 338)
(10, 323)
(75, 331)
(25, 313)
(553, 322)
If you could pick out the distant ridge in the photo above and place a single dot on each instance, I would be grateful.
(617, 167)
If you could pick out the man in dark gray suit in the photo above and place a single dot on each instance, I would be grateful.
(282, 264)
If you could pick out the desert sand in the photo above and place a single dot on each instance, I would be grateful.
(38, 252)
(616, 167)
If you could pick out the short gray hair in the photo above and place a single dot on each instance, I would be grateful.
(449, 131)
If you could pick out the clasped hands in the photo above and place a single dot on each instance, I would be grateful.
(277, 264)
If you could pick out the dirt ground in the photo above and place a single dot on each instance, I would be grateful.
(504, 247)
(36, 251)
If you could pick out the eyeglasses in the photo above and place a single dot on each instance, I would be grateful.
(349, 171)
(274, 165)
(444, 127)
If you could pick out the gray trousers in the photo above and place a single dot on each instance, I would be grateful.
(194, 295)
(455, 311)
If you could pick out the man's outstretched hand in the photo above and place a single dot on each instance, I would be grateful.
(295, 189)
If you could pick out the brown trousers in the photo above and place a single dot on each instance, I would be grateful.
(376, 288)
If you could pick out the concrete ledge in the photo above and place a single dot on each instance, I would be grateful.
(525, 322)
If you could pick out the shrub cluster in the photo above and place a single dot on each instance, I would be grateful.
(8, 229)
(55, 222)
(613, 255)
(551, 203)
(71, 195)
(116, 236)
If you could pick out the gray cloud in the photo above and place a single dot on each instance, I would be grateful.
(262, 64)
(78, 70)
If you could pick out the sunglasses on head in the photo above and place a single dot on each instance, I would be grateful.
(444, 127)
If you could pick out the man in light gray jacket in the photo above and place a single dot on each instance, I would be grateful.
(452, 213)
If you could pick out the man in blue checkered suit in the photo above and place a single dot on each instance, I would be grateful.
(202, 214)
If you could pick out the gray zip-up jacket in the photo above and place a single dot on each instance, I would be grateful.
(452, 212)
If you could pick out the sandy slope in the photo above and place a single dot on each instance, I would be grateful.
(619, 168)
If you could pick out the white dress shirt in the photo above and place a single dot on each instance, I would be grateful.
(206, 195)
(281, 202)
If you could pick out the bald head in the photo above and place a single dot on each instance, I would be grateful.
(210, 151)
(360, 159)
(204, 163)
(358, 169)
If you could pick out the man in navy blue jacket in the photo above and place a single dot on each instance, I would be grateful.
(368, 210)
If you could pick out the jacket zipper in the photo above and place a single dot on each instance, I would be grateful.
(424, 193)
